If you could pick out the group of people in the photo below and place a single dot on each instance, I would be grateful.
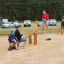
(15, 37)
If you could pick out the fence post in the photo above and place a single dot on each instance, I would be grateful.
(30, 40)
(35, 38)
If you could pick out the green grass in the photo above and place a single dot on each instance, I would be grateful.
(26, 30)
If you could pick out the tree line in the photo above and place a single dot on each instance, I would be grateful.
(31, 9)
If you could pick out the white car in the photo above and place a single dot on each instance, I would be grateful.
(52, 22)
(17, 24)
(4, 20)
(8, 24)
(27, 23)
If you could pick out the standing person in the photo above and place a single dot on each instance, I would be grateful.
(62, 23)
(19, 37)
(45, 18)
(11, 39)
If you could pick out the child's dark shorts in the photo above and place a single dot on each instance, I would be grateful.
(10, 41)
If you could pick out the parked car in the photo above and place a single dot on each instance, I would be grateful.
(27, 23)
(8, 24)
(40, 23)
(17, 24)
(51, 22)
(4, 20)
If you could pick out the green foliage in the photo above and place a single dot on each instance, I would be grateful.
(14, 19)
(31, 9)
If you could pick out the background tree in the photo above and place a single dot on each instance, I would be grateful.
(31, 9)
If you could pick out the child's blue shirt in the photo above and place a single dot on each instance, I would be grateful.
(11, 37)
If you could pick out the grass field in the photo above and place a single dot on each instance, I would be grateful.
(26, 30)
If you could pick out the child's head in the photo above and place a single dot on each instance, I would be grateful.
(44, 11)
(17, 28)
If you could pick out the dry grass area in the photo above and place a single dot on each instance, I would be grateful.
(45, 52)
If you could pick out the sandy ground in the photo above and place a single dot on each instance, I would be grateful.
(45, 52)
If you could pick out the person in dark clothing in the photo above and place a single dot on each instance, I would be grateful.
(62, 23)
(19, 37)
(11, 39)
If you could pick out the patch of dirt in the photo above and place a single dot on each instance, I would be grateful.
(45, 52)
